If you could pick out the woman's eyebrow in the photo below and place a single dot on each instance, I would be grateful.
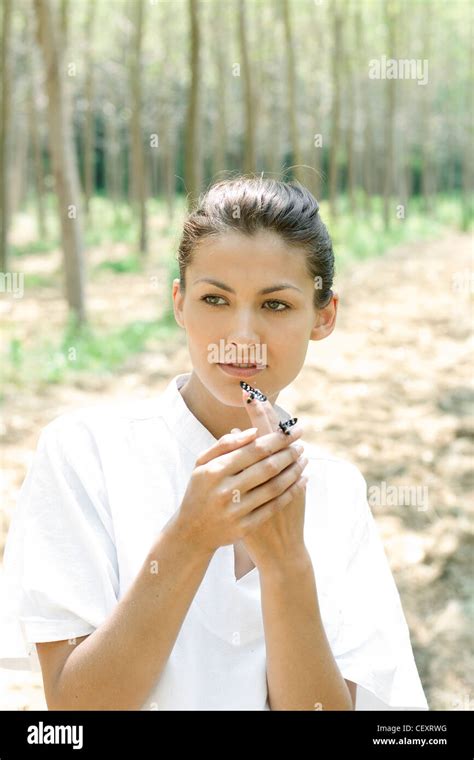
(271, 289)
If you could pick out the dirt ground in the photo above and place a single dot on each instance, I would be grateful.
(391, 389)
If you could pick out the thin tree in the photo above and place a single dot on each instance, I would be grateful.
(270, 85)
(222, 70)
(427, 146)
(291, 90)
(368, 142)
(89, 142)
(351, 110)
(64, 161)
(169, 130)
(112, 153)
(191, 149)
(336, 26)
(314, 147)
(5, 116)
(34, 134)
(389, 117)
(139, 177)
(249, 110)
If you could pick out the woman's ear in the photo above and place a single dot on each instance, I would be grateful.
(325, 319)
(178, 299)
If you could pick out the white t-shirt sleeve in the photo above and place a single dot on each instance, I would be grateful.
(373, 646)
(60, 575)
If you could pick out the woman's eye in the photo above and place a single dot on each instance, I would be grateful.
(278, 303)
(204, 298)
(272, 305)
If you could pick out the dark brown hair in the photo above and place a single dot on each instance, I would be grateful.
(249, 204)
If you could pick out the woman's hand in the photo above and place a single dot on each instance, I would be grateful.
(281, 537)
(239, 483)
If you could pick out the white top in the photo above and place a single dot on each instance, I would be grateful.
(104, 481)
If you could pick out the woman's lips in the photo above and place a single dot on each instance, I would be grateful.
(234, 371)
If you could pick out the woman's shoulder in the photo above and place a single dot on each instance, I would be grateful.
(103, 415)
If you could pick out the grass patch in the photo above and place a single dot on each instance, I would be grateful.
(35, 247)
(40, 280)
(82, 350)
(120, 266)
(361, 236)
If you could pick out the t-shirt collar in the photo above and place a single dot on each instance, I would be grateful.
(182, 422)
(190, 431)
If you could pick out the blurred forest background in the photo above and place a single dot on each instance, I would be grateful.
(116, 114)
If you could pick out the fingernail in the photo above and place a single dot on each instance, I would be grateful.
(304, 480)
(284, 426)
(298, 447)
(255, 391)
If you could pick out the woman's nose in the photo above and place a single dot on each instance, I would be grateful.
(243, 336)
(243, 330)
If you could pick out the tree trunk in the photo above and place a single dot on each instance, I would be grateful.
(425, 126)
(291, 92)
(35, 139)
(220, 39)
(316, 130)
(192, 161)
(389, 117)
(336, 107)
(20, 159)
(169, 169)
(168, 144)
(139, 178)
(349, 54)
(112, 154)
(37, 160)
(368, 139)
(249, 132)
(64, 161)
(5, 135)
(64, 24)
(89, 142)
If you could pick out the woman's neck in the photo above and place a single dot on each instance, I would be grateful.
(217, 417)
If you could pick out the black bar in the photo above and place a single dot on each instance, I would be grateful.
(360, 733)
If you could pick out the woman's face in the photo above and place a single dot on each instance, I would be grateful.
(236, 322)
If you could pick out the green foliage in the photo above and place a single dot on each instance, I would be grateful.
(33, 280)
(15, 353)
(362, 235)
(83, 350)
(36, 246)
(121, 266)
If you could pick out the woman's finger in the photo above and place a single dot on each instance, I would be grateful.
(261, 413)
(225, 444)
(259, 405)
(260, 447)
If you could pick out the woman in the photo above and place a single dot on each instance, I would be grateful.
(161, 558)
